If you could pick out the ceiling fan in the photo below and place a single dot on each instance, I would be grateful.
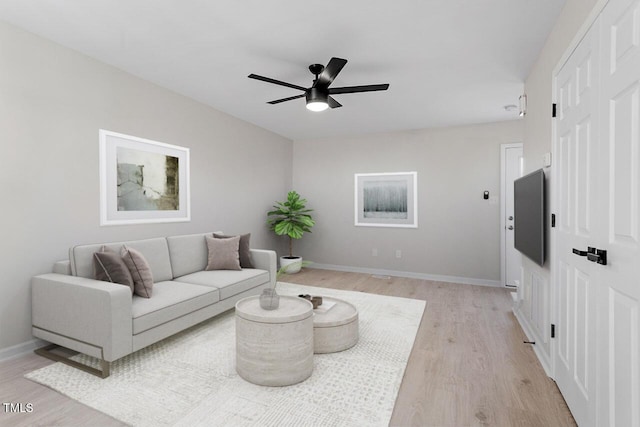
(319, 94)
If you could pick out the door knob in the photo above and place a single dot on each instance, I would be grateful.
(510, 218)
(510, 227)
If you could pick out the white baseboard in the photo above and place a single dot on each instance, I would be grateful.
(408, 274)
(21, 349)
(543, 358)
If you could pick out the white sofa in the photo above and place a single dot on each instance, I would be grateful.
(103, 319)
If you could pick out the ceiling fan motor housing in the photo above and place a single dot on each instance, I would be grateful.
(315, 94)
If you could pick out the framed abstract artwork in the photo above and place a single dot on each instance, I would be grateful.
(142, 181)
(386, 199)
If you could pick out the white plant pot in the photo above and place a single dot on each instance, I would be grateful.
(291, 265)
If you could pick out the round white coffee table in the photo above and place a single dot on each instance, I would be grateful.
(336, 329)
(274, 347)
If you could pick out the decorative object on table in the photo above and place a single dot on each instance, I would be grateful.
(269, 299)
(386, 199)
(316, 301)
(325, 306)
(291, 218)
(142, 181)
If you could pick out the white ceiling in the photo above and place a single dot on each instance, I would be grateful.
(448, 62)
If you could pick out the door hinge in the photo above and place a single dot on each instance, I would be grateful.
(553, 110)
(553, 330)
(553, 220)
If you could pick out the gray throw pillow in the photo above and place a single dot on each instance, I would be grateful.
(244, 249)
(140, 271)
(223, 253)
(108, 266)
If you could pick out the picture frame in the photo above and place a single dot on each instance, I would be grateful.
(142, 181)
(386, 199)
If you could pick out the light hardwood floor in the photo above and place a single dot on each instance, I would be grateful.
(468, 366)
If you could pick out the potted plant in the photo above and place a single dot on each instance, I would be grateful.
(291, 218)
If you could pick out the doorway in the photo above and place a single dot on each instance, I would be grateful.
(511, 168)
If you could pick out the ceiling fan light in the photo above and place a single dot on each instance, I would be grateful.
(317, 106)
(317, 100)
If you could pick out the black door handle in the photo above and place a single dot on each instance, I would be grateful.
(593, 254)
(600, 257)
(590, 250)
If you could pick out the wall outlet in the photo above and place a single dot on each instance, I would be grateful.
(398, 253)
(374, 252)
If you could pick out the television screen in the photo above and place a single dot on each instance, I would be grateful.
(529, 216)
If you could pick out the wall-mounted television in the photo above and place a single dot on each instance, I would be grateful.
(529, 216)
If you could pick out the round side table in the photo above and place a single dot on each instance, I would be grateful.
(337, 329)
(274, 347)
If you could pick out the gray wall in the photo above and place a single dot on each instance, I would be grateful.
(458, 232)
(52, 103)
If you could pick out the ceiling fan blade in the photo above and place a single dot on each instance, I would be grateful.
(354, 89)
(333, 103)
(278, 101)
(276, 82)
(330, 72)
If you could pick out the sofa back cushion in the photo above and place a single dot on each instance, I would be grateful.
(188, 253)
(155, 251)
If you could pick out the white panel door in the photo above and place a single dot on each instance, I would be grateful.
(576, 219)
(512, 258)
(619, 332)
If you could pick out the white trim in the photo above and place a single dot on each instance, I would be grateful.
(584, 28)
(408, 274)
(503, 223)
(543, 358)
(21, 349)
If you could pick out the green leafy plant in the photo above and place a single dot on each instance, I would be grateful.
(291, 218)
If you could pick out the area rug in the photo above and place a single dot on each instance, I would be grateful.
(190, 379)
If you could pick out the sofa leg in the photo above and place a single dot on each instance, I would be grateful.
(47, 352)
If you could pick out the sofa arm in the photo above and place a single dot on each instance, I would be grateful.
(266, 260)
(84, 310)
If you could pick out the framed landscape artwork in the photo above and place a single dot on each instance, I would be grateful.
(142, 181)
(386, 199)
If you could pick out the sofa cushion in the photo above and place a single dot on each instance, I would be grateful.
(155, 251)
(223, 253)
(229, 282)
(110, 267)
(188, 253)
(170, 300)
(244, 248)
(140, 271)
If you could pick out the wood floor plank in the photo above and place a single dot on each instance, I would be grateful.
(468, 366)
